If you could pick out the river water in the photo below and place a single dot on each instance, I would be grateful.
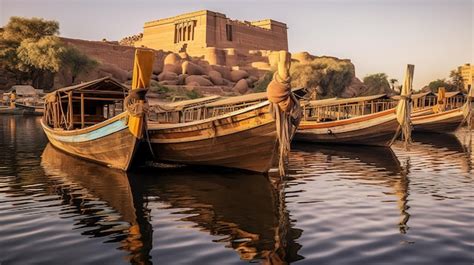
(351, 205)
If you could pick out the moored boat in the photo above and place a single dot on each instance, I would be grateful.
(447, 116)
(81, 120)
(372, 120)
(254, 138)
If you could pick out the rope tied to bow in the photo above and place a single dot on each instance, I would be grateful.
(286, 111)
(135, 102)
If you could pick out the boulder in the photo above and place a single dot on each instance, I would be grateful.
(216, 78)
(172, 58)
(241, 87)
(224, 70)
(191, 69)
(166, 75)
(175, 68)
(182, 79)
(169, 82)
(201, 81)
(172, 63)
(228, 83)
(154, 77)
(237, 75)
(251, 80)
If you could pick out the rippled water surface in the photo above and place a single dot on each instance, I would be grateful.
(338, 206)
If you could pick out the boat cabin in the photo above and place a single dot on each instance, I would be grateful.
(421, 100)
(332, 109)
(455, 99)
(85, 104)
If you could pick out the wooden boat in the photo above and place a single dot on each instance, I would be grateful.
(343, 121)
(36, 109)
(235, 136)
(77, 120)
(371, 120)
(445, 117)
(21, 109)
(244, 139)
(441, 122)
(82, 120)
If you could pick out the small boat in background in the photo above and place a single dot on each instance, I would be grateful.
(81, 120)
(371, 120)
(368, 120)
(450, 112)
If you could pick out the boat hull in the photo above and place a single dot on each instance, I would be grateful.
(376, 129)
(443, 122)
(244, 139)
(108, 143)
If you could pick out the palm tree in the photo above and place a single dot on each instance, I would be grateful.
(393, 81)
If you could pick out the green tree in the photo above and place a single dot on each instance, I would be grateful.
(456, 80)
(77, 62)
(377, 84)
(41, 59)
(436, 84)
(30, 50)
(327, 75)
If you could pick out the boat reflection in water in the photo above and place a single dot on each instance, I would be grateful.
(104, 199)
(365, 165)
(248, 210)
(433, 152)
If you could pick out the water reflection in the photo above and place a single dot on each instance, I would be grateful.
(105, 201)
(365, 165)
(248, 210)
(439, 152)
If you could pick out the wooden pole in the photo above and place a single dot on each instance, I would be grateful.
(82, 110)
(71, 123)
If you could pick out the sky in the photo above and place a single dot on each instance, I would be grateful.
(379, 36)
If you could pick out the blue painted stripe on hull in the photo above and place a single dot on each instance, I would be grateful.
(96, 134)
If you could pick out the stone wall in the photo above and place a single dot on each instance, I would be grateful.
(195, 32)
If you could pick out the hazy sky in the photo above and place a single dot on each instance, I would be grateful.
(377, 35)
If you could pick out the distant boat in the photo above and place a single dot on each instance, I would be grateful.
(100, 120)
(370, 120)
(446, 116)
(441, 122)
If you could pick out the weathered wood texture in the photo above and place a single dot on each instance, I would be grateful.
(443, 122)
(376, 129)
(105, 143)
(245, 139)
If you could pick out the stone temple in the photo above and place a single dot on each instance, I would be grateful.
(212, 34)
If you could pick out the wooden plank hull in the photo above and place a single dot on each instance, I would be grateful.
(109, 143)
(245, 139)
(443, 122)
(376, 129)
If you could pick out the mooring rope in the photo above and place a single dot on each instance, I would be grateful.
(286, 111)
